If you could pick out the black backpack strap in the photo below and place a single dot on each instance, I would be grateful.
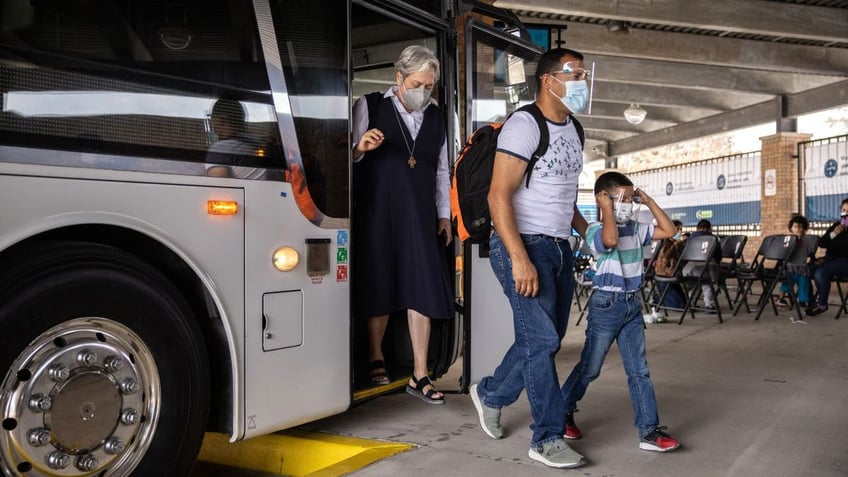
(373, 100)
(580, 133)
(544, 137)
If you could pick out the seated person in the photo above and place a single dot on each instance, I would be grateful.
(679, 234)
(799, 275)
(704, 227)
(233, 146)
(665, 264)
(835, 262)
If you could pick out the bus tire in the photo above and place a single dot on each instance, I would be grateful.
(105, 367)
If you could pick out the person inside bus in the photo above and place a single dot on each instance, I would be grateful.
(835, 262)
(232, 146)
(531, 256)
(401, 214)
(705, 227)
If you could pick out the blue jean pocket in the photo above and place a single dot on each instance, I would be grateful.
(601, 301)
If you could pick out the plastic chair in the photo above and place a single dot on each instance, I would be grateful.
(649, 256)
(843, 295)
(732, 247)
(583, 261)
(769, 267)
(799, 261)
(698, 250)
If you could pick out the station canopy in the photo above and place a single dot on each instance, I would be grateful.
(699, 67)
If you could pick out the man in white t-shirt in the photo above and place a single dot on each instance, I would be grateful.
(531, 256)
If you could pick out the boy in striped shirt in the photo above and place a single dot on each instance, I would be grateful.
(615, 307)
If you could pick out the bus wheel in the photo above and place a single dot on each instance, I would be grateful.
(104, 366)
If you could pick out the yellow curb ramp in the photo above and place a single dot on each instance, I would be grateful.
(298, 453)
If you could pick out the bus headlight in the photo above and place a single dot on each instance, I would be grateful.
(285, 258)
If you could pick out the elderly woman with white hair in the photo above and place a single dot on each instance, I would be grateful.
(401, 213)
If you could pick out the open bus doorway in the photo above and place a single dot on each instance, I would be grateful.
(377, 39)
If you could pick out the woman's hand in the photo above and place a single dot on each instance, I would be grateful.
(444, 228)
(372, 139)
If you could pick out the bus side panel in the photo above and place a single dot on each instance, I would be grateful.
(291, 380)
(172, 214)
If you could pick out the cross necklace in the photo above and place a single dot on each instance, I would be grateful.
(411, 150)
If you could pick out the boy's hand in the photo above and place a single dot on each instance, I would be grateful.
(643, 196)
(603, 199)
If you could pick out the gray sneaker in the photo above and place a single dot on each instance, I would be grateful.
(490, 417)
(556, 454)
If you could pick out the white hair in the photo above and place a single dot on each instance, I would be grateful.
(415, 59)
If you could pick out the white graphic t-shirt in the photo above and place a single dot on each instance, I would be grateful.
(547, 207)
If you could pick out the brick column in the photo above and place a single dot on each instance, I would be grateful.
(780, 154)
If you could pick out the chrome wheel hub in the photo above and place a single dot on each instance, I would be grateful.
(82, 398)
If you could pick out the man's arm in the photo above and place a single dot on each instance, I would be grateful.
(578, 222)
(507, 177)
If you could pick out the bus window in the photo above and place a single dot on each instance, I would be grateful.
(313, 49)
(133, 78)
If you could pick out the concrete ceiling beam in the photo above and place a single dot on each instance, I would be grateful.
(751, 16)
(765, 112)
(687, 75)
(706, 50)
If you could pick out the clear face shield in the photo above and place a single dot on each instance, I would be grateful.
(579, 85)
(625, 207)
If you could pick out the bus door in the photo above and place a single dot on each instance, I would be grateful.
(380, 30)
(499, 69)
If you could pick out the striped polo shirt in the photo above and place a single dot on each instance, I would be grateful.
(620, 268)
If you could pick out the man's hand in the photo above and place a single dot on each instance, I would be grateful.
(526, 278)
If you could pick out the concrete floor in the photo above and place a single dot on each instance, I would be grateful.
(745, 398)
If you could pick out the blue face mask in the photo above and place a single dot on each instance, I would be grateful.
(677, 236)
(576, 95)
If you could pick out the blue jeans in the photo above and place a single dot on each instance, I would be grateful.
(825, 272)
(803, 283)
(615, 316)
(540, 323)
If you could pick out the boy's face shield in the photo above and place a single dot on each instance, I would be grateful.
(625, 206)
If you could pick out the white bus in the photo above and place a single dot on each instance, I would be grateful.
(163, 275)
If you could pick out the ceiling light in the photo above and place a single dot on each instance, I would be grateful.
(635, 114)
(618, 26)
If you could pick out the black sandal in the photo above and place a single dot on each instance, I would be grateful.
(816, 310)
(418, 391)
(378, 378)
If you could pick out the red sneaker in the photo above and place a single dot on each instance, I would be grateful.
(571, 429)
(658, 441)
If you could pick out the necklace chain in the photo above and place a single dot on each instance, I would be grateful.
(410, 149)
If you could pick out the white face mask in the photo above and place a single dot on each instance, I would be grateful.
(415, 98)
(623, 212)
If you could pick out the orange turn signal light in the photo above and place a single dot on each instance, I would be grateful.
(221, 207)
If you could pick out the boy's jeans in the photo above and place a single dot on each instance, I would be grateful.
(615, 316)
(540, 323)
